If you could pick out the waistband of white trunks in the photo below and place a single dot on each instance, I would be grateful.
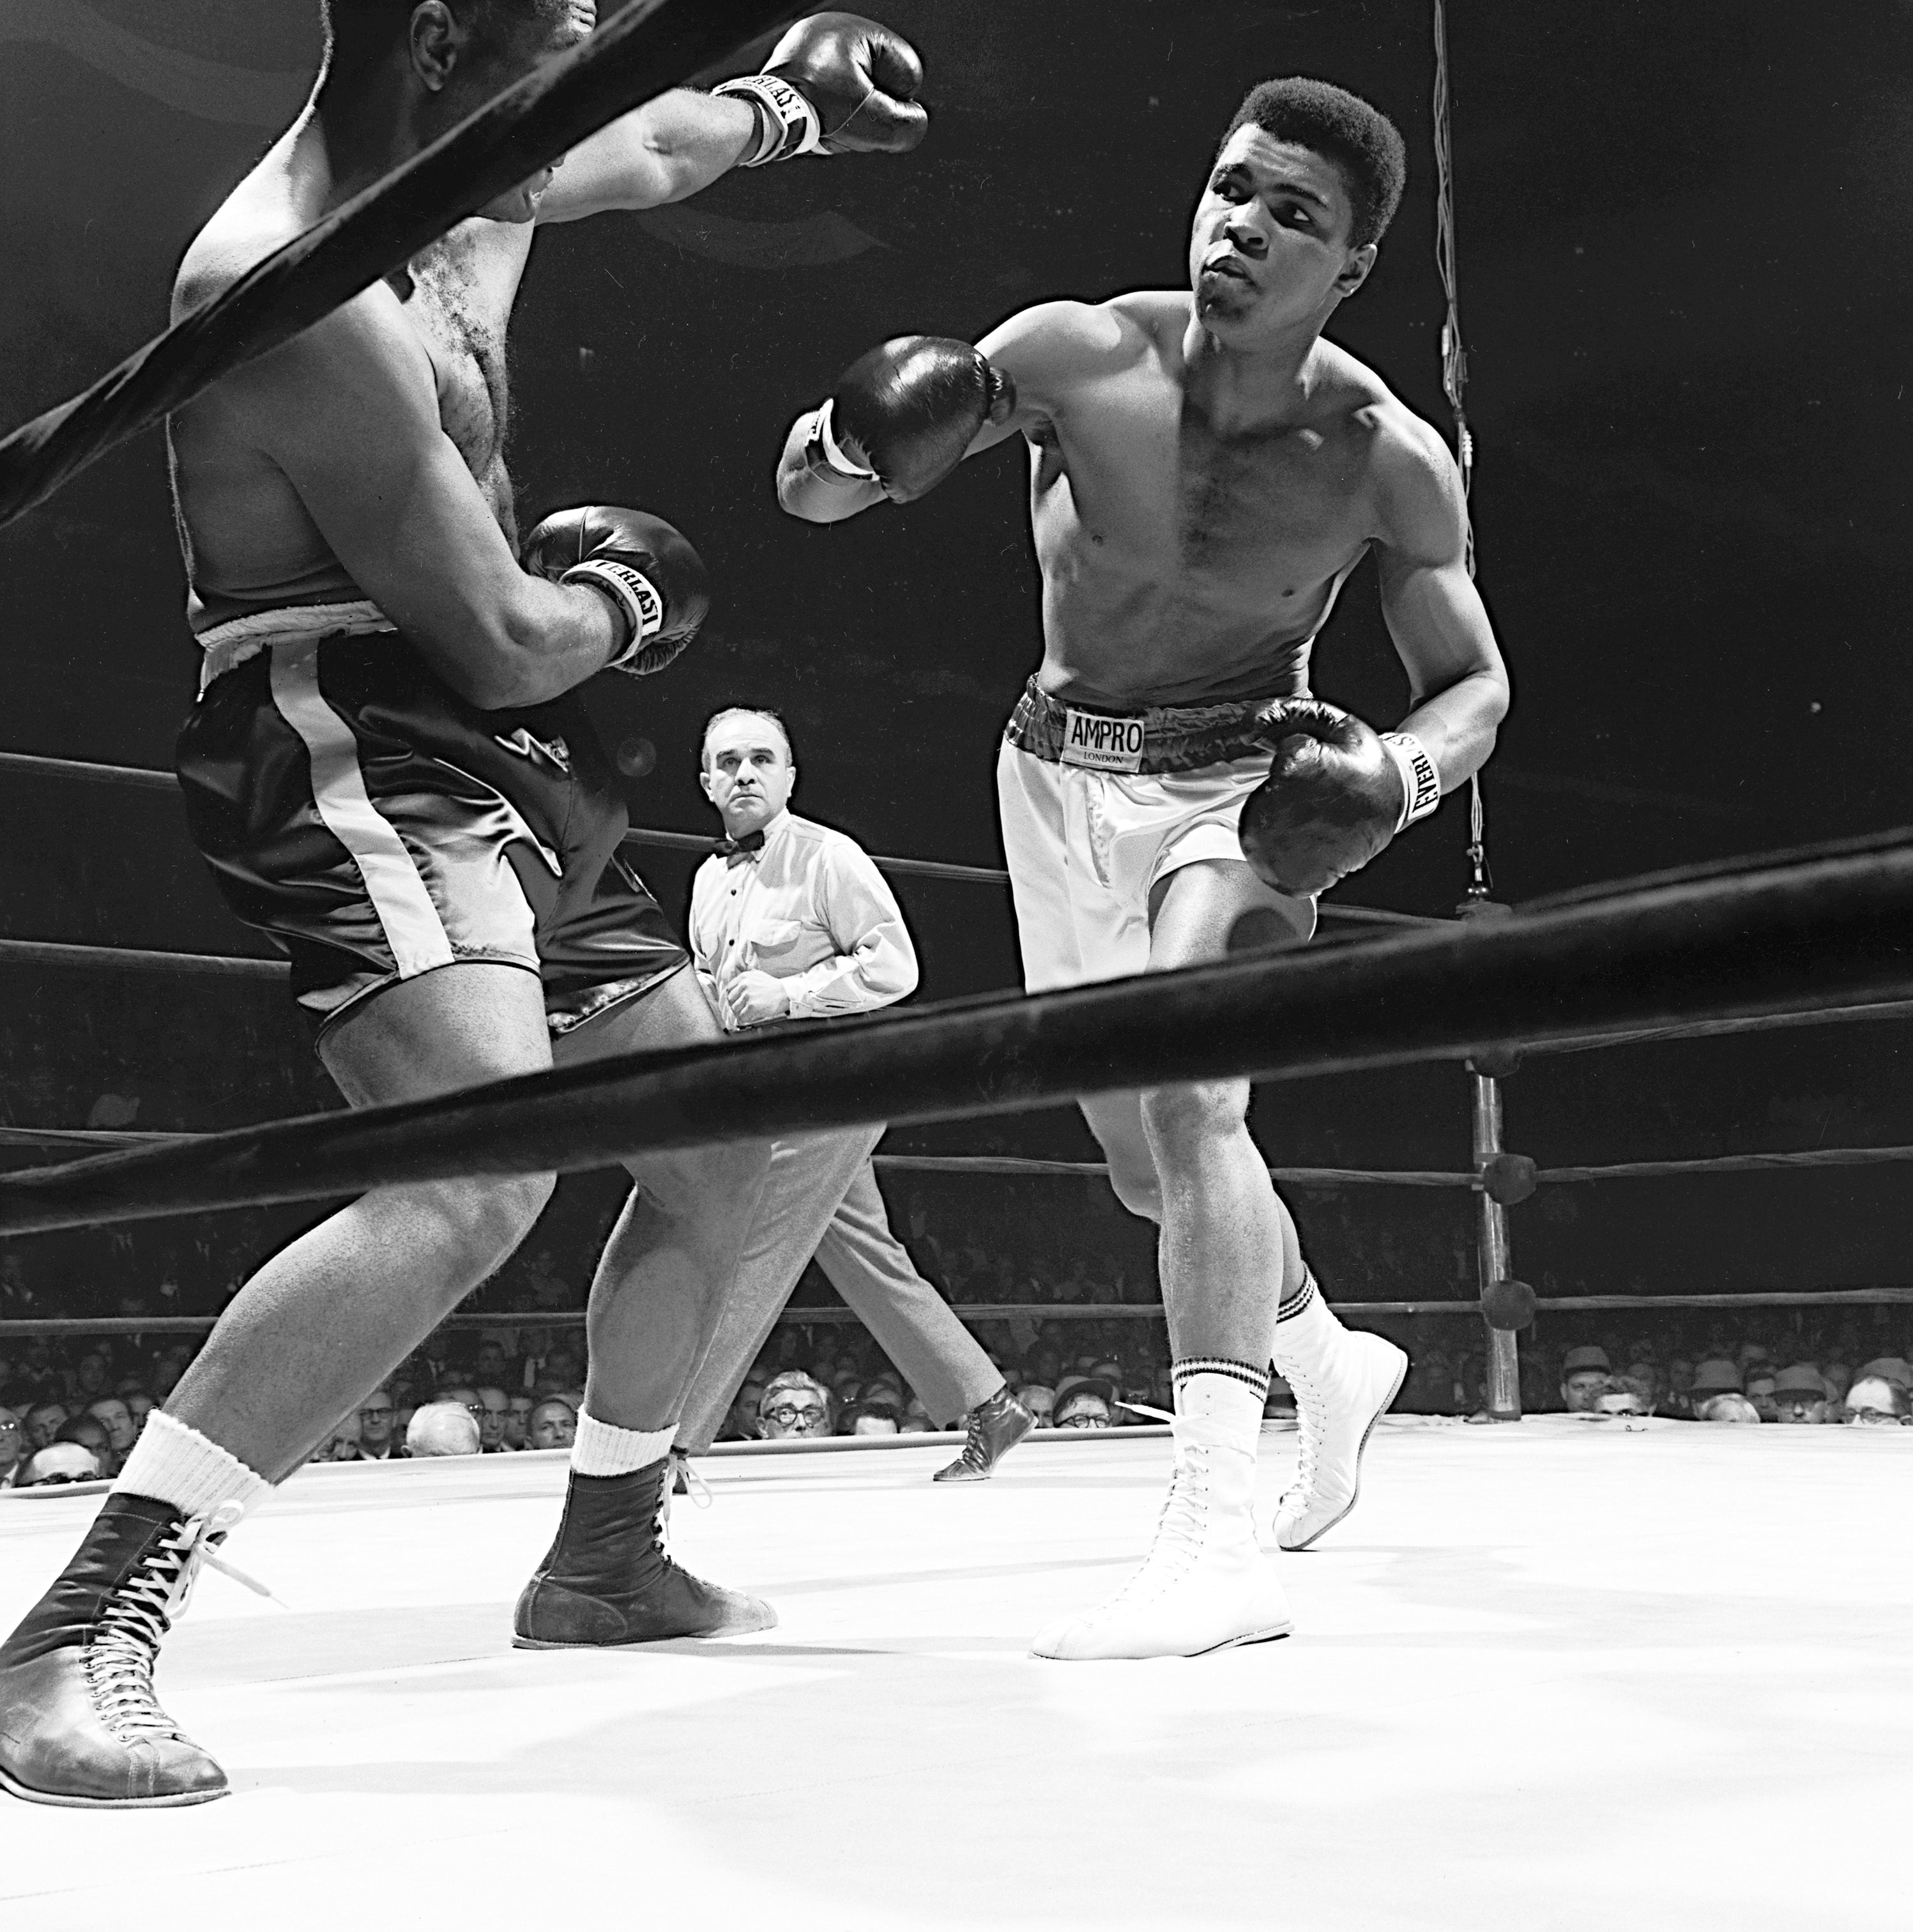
(228, 645)
(1165, 738)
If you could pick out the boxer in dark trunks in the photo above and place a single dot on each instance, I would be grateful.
(1206, 469)
(390, 771)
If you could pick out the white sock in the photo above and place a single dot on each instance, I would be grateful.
(1223, 1399)
(174, 1463)
(1305, 1327)
(599, 1450)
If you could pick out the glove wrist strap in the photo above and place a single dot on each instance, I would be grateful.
(1421, 783)
(787, 124)
(630, 593)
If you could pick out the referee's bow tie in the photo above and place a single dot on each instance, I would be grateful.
(736, 851)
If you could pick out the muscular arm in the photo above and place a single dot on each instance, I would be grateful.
(667, 150)
(1435, 615)
(1042, 350)
(348, 412)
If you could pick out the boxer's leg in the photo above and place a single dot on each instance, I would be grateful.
(607, 1582)
(1224, 1225)
(333, 1312)
(326, 1319)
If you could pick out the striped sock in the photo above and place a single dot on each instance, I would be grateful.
(1298, 1303)
(1245, 1372)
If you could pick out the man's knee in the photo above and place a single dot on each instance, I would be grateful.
(1135, 1185)
(691, 1183)
(1180, 1121)
(488, 1217)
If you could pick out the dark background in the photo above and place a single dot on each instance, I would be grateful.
(1684, 270)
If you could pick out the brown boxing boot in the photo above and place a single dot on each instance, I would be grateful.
(607, 1581)
(80, 1724)
(996, 1427)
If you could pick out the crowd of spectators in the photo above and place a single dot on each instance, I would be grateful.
(70, 1410)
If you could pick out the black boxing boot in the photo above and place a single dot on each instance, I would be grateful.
(996, 1427)
(606, 1580)
(80, 1724)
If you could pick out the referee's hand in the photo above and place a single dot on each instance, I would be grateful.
(754, 999)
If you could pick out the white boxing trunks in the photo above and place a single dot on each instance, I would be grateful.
(1096, 808)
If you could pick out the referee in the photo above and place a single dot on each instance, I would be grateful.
(790, 920)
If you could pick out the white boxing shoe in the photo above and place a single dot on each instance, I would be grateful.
(1344, 1380)
(1204, 1585)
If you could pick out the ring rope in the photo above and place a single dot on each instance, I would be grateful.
(1807, 932)
(796, 1315)
(1015, 1166)
(34, 765)
(650, 46)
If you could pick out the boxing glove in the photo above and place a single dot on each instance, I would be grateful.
(904, 414)
(1336, 793)
(647, 570)
(836, 84)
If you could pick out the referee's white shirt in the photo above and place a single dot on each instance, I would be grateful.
(810, 909)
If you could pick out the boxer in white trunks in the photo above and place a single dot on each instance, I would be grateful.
(1206, 469)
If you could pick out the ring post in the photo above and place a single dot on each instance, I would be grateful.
(1491, 1259)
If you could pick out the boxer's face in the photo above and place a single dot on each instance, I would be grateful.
(1269, 251)
(465, 56)
(747, 772)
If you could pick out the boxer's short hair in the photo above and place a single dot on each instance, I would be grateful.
(1360, 140)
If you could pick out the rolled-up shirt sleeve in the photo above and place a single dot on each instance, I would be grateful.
(875, 963)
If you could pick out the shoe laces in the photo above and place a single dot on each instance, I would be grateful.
(137, 1615)
(1312, 1425)
(1180, 1525)
(699, 1492)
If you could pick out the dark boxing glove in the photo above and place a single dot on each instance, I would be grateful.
(903, 415)
(836, 84)
(1336, 795)
(648, 571)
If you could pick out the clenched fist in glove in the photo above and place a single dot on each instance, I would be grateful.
(903, 415)
(836, 84)
(1336, 795)
(646, 570)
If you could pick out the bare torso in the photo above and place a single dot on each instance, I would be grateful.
(1180, 562)
(250, 544)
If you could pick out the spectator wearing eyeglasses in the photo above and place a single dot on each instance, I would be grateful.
(793, 1404)
(378, 1422)
(59, 1462)
(1082, 1407)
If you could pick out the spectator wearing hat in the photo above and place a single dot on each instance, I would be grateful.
(1893, 1369)
(1587, 1375)
(1715, 1376)
(1799, 1395)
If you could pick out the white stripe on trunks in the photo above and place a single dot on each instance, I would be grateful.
(413, 929)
